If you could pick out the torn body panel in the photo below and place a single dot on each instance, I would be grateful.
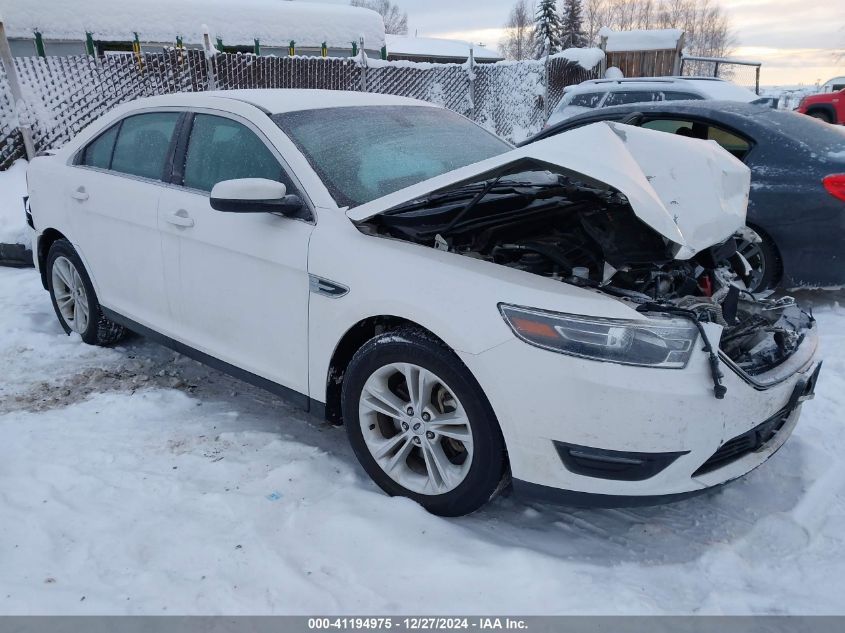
(550, 221)
(692, 194)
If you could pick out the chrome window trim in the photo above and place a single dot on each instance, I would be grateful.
(71, 161)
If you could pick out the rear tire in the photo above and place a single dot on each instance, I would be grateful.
(74, 299)
(438, 442)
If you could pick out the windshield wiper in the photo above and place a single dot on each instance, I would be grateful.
(461, 193)
(472, 203)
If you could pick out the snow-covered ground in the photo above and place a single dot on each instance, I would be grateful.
(133, 480)
(12, 190)
(789, 96)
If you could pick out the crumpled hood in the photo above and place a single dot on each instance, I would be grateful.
(691, 192)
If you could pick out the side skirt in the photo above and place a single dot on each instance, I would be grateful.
(295, 398)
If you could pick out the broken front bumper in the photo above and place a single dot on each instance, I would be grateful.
(596, 433)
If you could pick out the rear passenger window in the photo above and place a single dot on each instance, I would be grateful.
(631, 96)
(143, 144)
(98, 152)
(672, 95)
(736, 145)
(222, 149)
(586, 100)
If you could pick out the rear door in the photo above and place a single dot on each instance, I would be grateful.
(113, 208)
(238, 281)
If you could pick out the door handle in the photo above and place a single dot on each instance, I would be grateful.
(79, 194)
(180, 218)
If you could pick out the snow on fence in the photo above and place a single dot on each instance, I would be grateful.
(64, 94)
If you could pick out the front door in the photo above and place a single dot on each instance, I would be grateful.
(241, 293)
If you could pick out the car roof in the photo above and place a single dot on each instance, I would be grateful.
(709, 87)
(735, 114)
(278, 101)
(591, 84)
(643, 83)
(713, 109)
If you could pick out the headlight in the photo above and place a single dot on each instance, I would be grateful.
(658, 342)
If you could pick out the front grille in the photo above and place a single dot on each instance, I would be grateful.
(748, 442)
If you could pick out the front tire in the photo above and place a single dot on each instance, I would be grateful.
(74, 299)
(420, 424)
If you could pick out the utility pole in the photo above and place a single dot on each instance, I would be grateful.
(17, 95)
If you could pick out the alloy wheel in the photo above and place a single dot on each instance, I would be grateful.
(416, 428)
(756, 258)
(70, 295)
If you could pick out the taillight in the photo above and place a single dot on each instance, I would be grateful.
(835, 185)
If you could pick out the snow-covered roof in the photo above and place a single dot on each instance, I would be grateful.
(640, 40)
(236, 22)
(708, 87)
(436, 47)
(278, 101)
(587, 58)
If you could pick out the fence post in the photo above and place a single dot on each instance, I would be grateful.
(757, 81)
(603, 65)
(15, 86)
(679, 53)
(363, 65)
(471, 76)
(209, 56)
(547, 81)
(39, 45)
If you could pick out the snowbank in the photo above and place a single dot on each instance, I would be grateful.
(12, 190)
(436, 47)
(587, 58)
(640, 40)
(134, 481)
(274, 22)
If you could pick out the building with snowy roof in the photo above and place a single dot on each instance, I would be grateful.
(436, 50)
(643, 52)
(266, 27)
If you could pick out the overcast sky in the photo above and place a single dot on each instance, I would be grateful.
(795, 39)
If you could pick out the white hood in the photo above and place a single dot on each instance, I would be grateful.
(692, 192)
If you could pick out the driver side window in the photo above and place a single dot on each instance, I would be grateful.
(222, 149)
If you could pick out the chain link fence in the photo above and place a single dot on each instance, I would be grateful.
(65, 94)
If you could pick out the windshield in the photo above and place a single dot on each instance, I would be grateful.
(364, 153)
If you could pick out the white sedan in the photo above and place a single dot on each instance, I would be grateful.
(568, 316)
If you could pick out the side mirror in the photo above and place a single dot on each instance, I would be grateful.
(255, 195)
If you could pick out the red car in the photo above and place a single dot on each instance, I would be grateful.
(828, 106)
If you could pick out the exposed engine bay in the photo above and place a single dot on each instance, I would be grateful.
(586, 234)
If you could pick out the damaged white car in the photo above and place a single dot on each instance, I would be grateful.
(569, 316)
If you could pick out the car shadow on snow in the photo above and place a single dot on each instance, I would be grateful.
(671, 533)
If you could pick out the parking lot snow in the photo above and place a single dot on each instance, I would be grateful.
(12, 190)
(135, 481)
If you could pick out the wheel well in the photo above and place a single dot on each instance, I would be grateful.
(352, 341)
(47, 239)
(823, 108)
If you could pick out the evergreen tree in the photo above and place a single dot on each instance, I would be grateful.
(546, 29)
(572, 33)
